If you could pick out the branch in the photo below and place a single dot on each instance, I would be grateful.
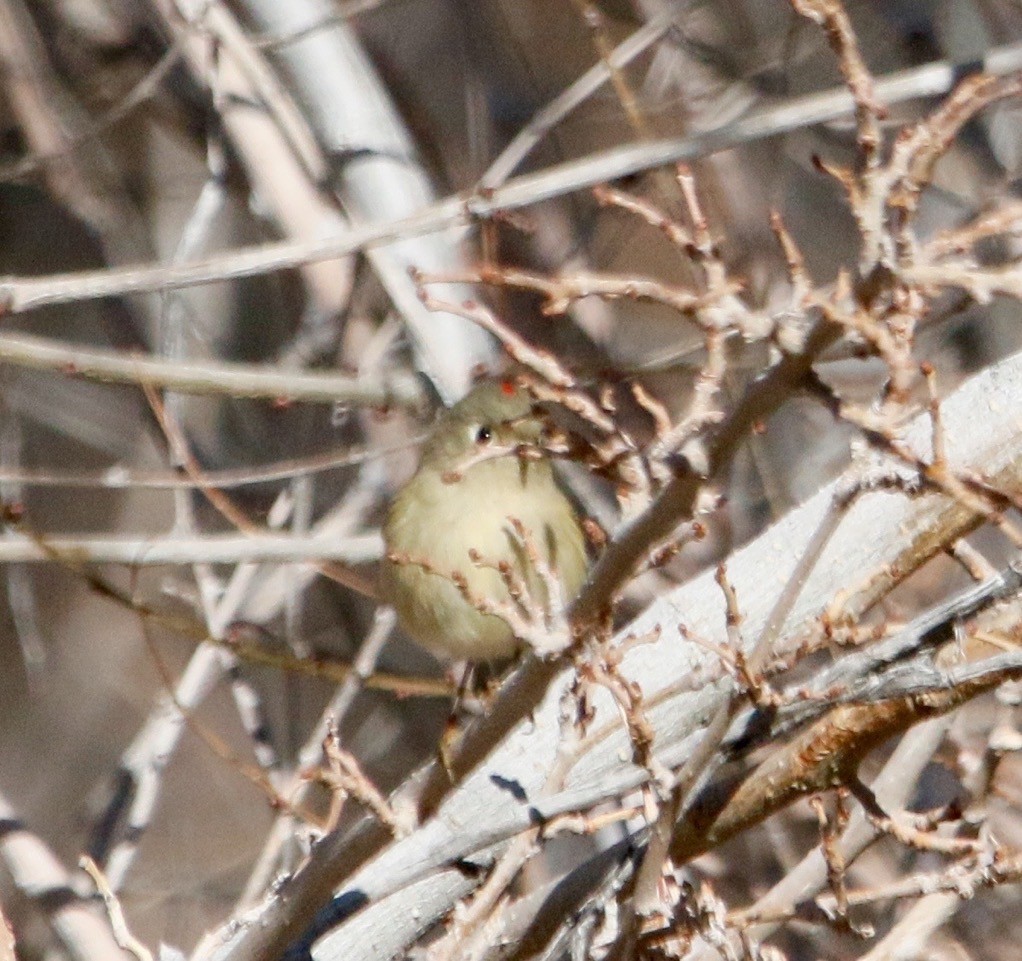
(20, 294)
(206, 549)
(191, 377)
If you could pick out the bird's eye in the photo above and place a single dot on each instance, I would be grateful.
(484, 435)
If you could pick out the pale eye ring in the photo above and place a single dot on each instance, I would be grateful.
(484, 435)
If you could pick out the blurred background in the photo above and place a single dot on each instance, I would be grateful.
(142, 131)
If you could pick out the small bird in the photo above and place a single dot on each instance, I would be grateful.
(481, 476)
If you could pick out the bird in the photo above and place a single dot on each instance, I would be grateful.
(483, 500)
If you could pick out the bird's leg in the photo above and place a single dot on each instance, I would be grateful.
(465, 672)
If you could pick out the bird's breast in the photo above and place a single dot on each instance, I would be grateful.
(447, 524)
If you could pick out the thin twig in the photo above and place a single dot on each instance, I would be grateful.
(208, 377)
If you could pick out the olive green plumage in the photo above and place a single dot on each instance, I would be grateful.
(449, 510)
